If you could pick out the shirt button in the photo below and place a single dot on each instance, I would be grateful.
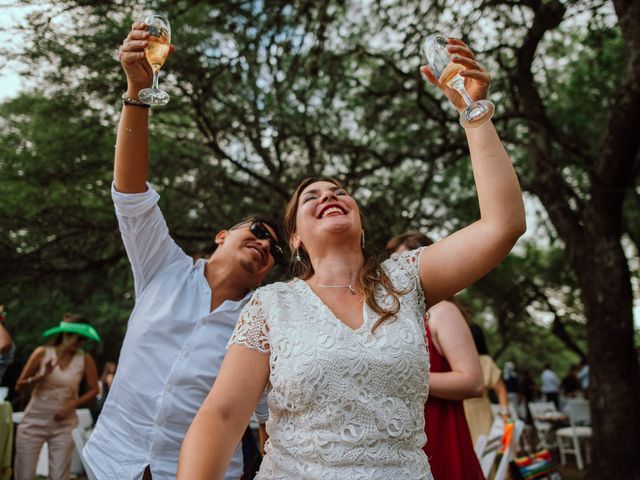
(187, 354)
(169, 388)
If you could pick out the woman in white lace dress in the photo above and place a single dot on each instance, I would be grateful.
(341, 348)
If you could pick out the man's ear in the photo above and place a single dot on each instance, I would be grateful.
(220, 237)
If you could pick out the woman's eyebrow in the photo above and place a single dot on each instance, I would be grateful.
(315, 191)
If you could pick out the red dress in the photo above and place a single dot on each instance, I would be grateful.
(449, 448)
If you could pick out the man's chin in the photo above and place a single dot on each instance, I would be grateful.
(249, 266)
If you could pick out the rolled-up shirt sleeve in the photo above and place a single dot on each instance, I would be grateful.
(145, 235)
(262, 410)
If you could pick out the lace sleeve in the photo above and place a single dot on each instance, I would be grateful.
(252, 330)
(409, 263)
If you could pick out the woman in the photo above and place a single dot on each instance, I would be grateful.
(478, 410)
(55, 373)
(342, 346)
(454, 375)
(104, 385)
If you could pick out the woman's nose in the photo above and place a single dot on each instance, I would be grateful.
(329, 195)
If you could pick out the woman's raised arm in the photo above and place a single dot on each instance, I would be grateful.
(460, 259)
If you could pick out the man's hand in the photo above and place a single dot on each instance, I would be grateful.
(133, 59)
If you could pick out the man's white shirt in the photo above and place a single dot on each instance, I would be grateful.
(549, 382)
(170, 356)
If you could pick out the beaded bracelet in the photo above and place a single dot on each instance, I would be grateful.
(132, 102)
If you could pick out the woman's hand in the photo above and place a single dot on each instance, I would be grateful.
(48, 368)
(65, 412)
(476, 79)
(133, 59)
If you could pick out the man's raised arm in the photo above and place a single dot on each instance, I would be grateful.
(132, 145)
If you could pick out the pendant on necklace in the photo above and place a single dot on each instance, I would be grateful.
(351, 288)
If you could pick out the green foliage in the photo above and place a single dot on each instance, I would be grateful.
(263, 94)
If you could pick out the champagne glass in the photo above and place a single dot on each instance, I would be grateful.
(156, 53)
(448, 73)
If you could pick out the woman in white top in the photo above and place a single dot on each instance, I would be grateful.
(342, 346)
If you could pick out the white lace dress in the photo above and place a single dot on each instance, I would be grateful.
(344, 404)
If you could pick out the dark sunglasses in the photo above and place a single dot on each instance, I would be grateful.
(261, 232)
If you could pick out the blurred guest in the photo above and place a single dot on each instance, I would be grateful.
(583, 376)
(104, 385)
(570, 384)
(512, 383)
(478, 410)
(454, 374)
(7, 347)
(106, 379)
(550, 385)
(529, 391)
(55, 372)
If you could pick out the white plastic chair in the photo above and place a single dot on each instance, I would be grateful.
(495, 410)
(569, 438)
(544, 429)
(487, 447)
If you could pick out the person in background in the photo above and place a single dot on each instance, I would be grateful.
(550, 385)
(478, 410)
(454, 375)
(512, 383)
(106, 379)
(583, 376)
(55, 372)
(570, 384)
(7, 347)
(529, 391)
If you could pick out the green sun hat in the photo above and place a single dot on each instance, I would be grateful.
(83, 329)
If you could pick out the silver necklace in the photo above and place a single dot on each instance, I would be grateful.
(351, 289)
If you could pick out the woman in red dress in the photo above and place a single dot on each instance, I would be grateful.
(455, 374)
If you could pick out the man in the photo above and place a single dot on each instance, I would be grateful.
(549, 385)
(185, 312)
(512, 383)
(7, 347)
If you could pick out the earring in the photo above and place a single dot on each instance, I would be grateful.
(298, 259)
(363, 239)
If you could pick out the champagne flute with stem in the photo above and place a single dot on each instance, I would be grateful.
(435, 49)
(156, 52)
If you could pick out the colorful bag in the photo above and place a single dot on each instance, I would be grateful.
(538, 466)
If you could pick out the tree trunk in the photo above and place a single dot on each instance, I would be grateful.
(614, 372)
(595, 254)
(591, 228)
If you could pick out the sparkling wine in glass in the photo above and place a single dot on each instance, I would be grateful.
(439, 61)
(159, 40)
